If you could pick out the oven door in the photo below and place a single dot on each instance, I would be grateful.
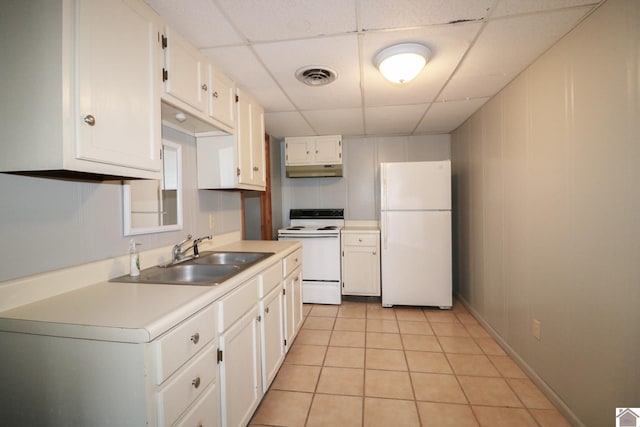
(320, 256)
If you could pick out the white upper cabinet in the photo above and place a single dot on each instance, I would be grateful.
(185, 72)
(235, 161)
(194, 86)
(81, 88)
(222, 97)
(312, 150)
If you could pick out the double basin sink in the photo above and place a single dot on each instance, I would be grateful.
(208, 269)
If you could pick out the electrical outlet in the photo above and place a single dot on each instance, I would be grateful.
(535, 328)
(212, 221)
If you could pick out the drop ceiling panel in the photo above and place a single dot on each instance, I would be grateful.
(505, 47)
(199, 21)
(396, 120)
(338, 121)
(515, 7)
(447, 44)
(249, 74)
(289, 123)
(446, 116)
(338, 53)
(383, 14)
(261, 20)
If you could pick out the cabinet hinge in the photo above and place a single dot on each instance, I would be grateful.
(165, 75)
(284, 292)
(343, 284)
(238, 171)
(285, 343)
(164, 41)
(161, 154)
(219, 356)
(237, 98)
(342, 253)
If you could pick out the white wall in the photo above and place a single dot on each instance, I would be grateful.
(48, 224)
(548, 198)
(357, 191)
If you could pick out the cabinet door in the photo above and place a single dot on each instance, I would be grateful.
(293, 306)
(117, 75)
(250, 140)
(186, 77)
(328, 150)
(258, 176)
(360, 271)
(240, 370)
(243, 141)
(299, 151)
(272, 336)
(222, 97)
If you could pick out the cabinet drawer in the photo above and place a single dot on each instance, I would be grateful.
(185, 387)
(179, 344)
(360, 239)
(231, 307)
(291, 262)
(204, 412)
(270, 279)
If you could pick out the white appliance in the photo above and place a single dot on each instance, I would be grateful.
(415, 225)
(319, 232)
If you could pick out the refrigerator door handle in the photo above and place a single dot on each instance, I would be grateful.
(384, 230)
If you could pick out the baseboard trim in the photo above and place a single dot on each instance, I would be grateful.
(544, 387)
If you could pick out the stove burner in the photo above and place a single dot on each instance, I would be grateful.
(328, 227)
(296, 227)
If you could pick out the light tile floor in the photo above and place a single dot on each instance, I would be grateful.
(359, 364)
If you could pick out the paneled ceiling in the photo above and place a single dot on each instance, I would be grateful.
(478, 46)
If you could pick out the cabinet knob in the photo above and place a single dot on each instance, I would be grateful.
(256, 169)
(360, 240)
(204, 87)
(259, 318)
(196, 383)
(195, 338)
(215, 94)
(266, 310)
(90, 120)
(374, 252)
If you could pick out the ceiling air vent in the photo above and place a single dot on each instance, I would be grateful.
(316, 75)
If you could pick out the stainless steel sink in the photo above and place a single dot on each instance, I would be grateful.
(233, 258)
(210, 269)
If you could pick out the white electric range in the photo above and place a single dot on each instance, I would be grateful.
(319, 232)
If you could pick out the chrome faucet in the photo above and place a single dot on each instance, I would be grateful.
(196, 242)
(178, 254)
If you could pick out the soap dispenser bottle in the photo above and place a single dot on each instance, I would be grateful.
(134, 259)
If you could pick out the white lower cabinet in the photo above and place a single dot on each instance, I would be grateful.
(361, 262)
(240, 370)
(292, 297)
(272, 336)
(293, 306)
(59, 381)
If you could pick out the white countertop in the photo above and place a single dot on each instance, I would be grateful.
(361, 229)
(129, 312)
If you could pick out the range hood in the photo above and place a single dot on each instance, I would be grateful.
(313, 171)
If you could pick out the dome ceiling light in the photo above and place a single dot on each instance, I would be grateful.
(402, 62)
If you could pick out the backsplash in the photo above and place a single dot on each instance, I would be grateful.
(48, 224)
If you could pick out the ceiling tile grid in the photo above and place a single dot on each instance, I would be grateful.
(478, 46)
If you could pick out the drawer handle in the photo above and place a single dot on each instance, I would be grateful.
(204, 87)
(195, 338)
(215, 94)
(196, 383)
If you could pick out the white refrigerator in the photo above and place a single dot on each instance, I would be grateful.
(415, 225)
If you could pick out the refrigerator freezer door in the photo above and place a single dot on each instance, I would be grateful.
(416, 186)
(416, 258)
